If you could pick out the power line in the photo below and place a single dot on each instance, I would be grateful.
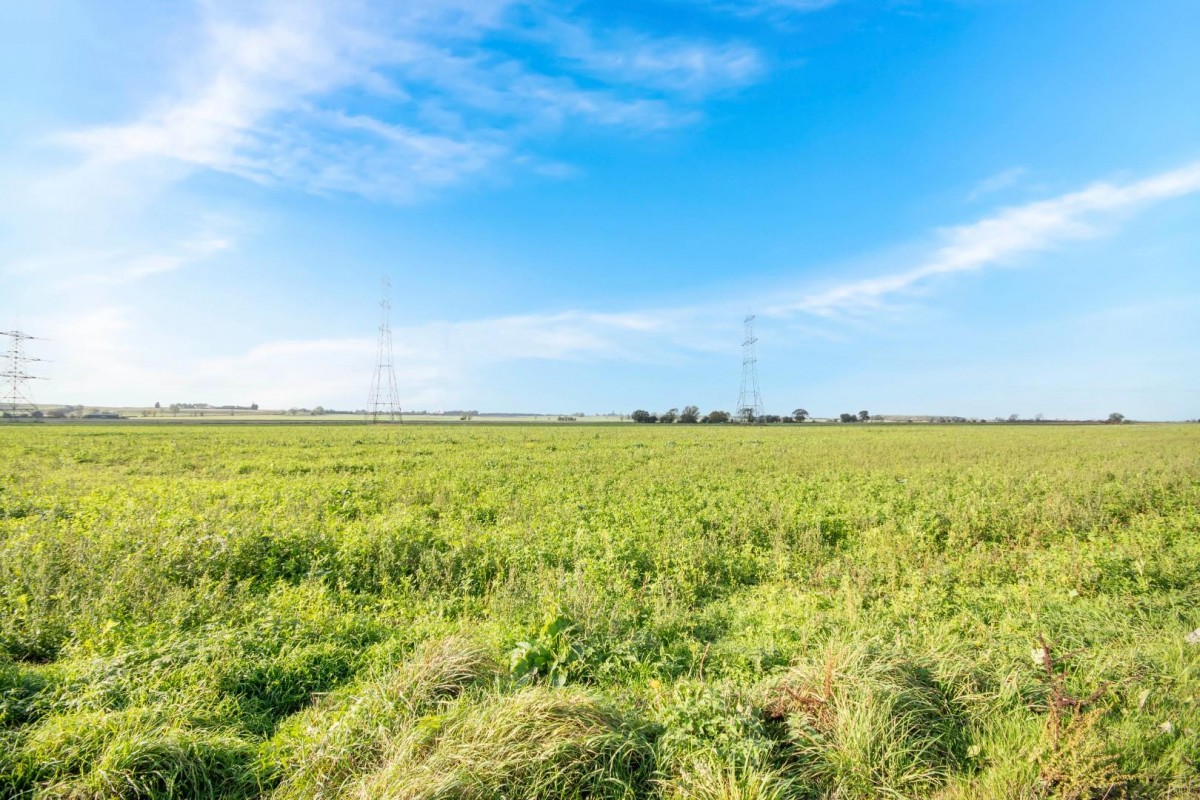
(383, 404)
(749, 402)
(17, 396)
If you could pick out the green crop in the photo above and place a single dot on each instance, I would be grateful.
(654, 611)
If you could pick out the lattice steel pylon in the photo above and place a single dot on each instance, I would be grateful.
(749, 403)
(17, 397)
(383, 404)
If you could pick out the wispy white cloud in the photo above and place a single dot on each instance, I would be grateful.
(692, 67)
(998, 182)
(387, 101)
(67, 268)
(438, 362)
(773, 9)
(792, 5)
(254, 110)
(123, 267)
(279, 93)
(1014, 232)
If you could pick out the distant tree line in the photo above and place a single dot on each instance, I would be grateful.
(690, 415)
(1115, 418)
(206, 406)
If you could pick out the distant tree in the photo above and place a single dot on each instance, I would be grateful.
(845, 417)
(863, 416)
(1014, 417)
(716, 417)
(175, 409)
(318, 411)
(254, 406)
(690, 414)
(1039, 417)
(770, 419)
(799, 415)
(669, 416)
(643, 416)
(746, 415)
(1116, 418)
(158, 405)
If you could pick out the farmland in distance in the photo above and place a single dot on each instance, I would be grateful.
(664, 611)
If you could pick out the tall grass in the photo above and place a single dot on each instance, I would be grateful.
(867, 722)
(135, 754)
(535, 743)
(792, 612)
(319, 752)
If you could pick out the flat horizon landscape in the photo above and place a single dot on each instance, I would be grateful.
(583, 400)
(599, 611)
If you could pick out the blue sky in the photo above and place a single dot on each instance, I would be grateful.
(980, 207)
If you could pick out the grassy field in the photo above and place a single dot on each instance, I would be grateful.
(599, 612)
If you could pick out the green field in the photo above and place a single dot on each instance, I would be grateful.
(557, 612)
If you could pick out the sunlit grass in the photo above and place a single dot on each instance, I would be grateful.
(664, 611)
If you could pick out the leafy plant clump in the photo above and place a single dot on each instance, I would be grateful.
(548, 656)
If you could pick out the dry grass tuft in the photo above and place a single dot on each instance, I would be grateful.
(537, 743)
(865, 722)
(344, 737)
(706, 779)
